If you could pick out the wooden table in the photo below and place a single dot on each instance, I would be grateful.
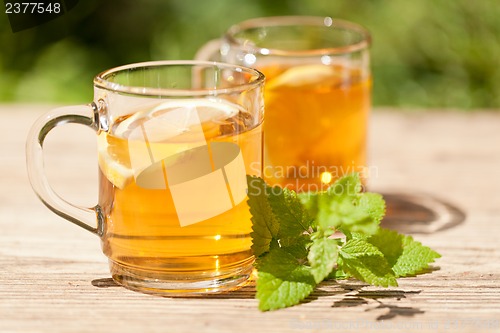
(54, 278)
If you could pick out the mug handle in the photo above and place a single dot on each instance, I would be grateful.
(87, 115)
(210, 51)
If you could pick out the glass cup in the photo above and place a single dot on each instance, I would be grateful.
(317, 94)
(176, 140)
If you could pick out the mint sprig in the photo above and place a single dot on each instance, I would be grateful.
(299, 240)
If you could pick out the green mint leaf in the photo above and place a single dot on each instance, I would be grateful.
(348, 186)
(364, 219)
(365, 262)
(293, 219)
(322, 257)
(274, 293)
(405, 255)
(344, 207)
(355, 218)
(297, 246)
(338, 274)
(282, 280)
(265, 226)
(309, 201)
(326, 208)
(329, 208)
(345, 213)
(294, 253)
(372, 204)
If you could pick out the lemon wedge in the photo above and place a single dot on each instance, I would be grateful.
(302, 76)
(119, 174)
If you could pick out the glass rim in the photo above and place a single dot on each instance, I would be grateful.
(101, 80)
(276, 21)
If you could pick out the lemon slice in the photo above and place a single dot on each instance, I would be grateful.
(175, 117)
(117, 173)
(153, 134)
(302, 75)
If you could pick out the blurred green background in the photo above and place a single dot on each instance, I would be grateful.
(426, 53)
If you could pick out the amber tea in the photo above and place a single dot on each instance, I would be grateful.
(151, 224)
(316, 124)
(317, 94)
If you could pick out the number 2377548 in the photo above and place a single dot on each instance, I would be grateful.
(32, 8)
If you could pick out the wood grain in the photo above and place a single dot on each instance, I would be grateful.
(54, 278)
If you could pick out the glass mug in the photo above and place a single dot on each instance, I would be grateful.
(176, 140)
(317, 94)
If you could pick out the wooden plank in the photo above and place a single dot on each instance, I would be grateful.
(54, 278)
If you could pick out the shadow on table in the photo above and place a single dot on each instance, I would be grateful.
(105, 283)
(420, 213)
(362, 298)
